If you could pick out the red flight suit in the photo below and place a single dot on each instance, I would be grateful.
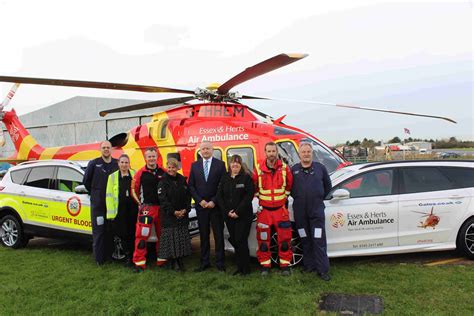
(145, 192)
(273, 187)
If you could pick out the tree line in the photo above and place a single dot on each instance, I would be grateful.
(451, 142)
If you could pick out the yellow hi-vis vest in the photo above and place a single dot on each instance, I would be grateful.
(271, 195)
(112, 193)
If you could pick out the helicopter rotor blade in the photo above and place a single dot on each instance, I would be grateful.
(366, 109)
(9, 96)
(92, 84)
(147, 105)
(259, 69)
(248, 97)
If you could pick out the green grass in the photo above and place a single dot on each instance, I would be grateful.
(63, 279)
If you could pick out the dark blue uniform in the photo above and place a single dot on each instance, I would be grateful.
(310, 186)
(95, 181)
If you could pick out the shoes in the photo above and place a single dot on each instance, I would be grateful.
(265, 272)
(180, 265)
(286, 271)
(324, 276)
(221, 269)
(202, 268)
(307, 270)
(237, 272)
(138, 269)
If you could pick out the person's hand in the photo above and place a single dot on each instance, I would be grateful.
(203, 203)
(230, 214)
(211, 204)
(177, 214)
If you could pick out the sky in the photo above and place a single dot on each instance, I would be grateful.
(412, 56)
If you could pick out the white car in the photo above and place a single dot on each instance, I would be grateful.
(46, 198)
(397, 207)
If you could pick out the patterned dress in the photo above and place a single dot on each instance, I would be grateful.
(175, 241)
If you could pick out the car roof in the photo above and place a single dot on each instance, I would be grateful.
(50, 162)
(427, 162)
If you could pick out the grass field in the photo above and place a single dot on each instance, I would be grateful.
(63, 279)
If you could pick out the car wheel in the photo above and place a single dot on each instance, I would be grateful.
(119, 253)
(465, 242)
(295, 246)
(11, 233)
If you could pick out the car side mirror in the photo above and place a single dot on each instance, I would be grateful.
(341, 194)
(80, 189)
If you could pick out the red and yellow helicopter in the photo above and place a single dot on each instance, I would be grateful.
(220, 117)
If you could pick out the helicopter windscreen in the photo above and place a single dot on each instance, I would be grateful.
(288, 153)
(320, 154)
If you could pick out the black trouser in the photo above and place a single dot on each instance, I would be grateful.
(101, 241)
(207, 218)
(124, 226)
(239, 230)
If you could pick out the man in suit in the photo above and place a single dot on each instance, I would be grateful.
(203, 181)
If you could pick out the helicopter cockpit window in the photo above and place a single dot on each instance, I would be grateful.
(322, 155)
(163, 129)
(217, 153)
(246, 153)
(288, 153)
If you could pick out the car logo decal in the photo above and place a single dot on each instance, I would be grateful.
(73, 206)
(337, 220)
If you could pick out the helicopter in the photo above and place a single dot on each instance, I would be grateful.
(431, 220)
(219, 117)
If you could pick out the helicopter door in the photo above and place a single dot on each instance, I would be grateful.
(430, 206)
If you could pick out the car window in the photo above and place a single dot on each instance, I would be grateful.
(40, 177)
(460, 177)
(373, 183)
(424, 179)
(246, 153)
(19, 175)
(68, 179)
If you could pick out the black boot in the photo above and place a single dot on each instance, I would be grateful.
(180, 264)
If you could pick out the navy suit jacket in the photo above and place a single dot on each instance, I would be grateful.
(199, 188)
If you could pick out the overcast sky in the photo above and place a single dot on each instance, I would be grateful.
(401, 55)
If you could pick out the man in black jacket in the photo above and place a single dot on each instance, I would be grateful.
(203, 182)
(95, 181)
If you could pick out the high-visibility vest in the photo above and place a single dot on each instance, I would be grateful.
(112, 193)
(274, 194)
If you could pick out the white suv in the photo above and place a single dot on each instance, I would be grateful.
(398, 207)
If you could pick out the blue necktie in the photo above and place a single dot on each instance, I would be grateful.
(206, 169)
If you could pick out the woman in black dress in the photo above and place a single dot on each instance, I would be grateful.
(234, 196)
(122, 210)
(175, 204)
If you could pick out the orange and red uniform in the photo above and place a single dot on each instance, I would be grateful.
(273, 186)
(145, 193)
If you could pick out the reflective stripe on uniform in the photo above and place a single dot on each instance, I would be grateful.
(140, 263)
(282, 261)
(272, 194)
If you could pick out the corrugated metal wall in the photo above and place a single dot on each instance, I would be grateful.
(76, 121)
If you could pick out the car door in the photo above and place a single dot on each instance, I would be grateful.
(430, 206)
(369, 218)
(35, 196)
(70, 211)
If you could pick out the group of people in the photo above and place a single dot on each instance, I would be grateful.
(131, 204)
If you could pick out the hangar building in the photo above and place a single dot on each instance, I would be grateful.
(77, 121)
